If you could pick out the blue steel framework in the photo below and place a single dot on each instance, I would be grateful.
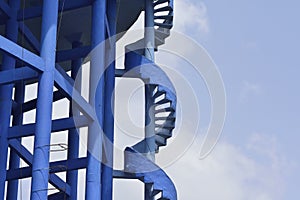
(39, 43)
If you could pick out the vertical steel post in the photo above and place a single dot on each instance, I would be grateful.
(14, 160)
(149, 133)
(149, 30)
(40, 165)
(73, 137)
(8, 62)
(149, 53)
(107, 168)
(149, 102)
(96, 98)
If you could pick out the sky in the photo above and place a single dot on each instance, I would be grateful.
(254, 46)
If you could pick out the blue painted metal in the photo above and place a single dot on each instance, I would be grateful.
(156, 85)
(25, 172)
(73, 137)
(38, 60)
(149, 38)
(30, 105)
(149, 172)
(63, 83)
(22, 54)
(6, 8)
(40, 166)
(6, 94)
(13, 75)
(57, 125)
(14, 160)
(94, 154)
(29, 159)
(108, 126)
(78, 52)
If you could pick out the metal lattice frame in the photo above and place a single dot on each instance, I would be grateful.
(41, 60)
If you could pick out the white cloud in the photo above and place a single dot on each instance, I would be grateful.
(191, 16)
(231, 173)
(249, 89)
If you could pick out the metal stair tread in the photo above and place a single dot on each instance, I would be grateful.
(166, 125)
(158, 93)
(167, 118)
(164, 25)
(162, 9)
(168, 109)
(170, 17)
(160, 2)
(163, 101)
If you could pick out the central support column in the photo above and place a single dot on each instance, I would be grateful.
(40, 166)
(96, 99)
(149, 101)
(149, 104)
(6, 91)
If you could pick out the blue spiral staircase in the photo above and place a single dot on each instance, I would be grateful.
(40, 43)
(162, 97)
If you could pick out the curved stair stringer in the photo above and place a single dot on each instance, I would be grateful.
(136, 160)
(164, 96)
(148, 172)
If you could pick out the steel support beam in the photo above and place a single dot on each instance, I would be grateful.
(73, 54)
(28, 158)
(31, 105)
(25, 172)
(67, 87)
(57, 125)
(22, 54)
(94, 154)
(40, 165)
(6, 91)
(107, 168)
(14, 75)
(5, 8)
(73, 136)
(14, 160)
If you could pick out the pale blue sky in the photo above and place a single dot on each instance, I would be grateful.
(256, 47)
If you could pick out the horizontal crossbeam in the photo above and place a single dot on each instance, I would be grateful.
(31, 105)
(71, 54)
(13, 75)
(57, 125)
(65, 165)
